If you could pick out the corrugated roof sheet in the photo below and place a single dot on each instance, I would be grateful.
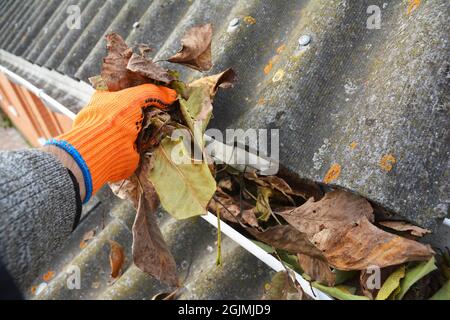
(192, 242)
(353, 97)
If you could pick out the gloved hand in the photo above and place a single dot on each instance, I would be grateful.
(102, 139)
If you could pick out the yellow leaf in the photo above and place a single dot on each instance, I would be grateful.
(415, 274)
(391, 283)
(184, 187)
(337, 292)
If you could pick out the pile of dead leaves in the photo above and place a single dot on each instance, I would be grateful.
(183, 187)
(332, 238)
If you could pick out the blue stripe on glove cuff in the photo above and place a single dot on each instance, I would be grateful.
(70, 149)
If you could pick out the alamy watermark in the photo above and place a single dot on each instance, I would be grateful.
(256, 148)
(374, 20)
(373, 281)
(73, 20)
(73, 280)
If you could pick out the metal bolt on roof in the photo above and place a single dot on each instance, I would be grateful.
(233, 25)
(234, 22)
(304, 40)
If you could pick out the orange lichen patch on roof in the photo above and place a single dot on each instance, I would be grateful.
(281, 48)
(249, 20)
(387, 162)
(48, 276)
(270, 64)
(353, 145)
(413, 5)
(268, 67)
(33, 289)
(332, 173)
(261, 101)
(273, 60)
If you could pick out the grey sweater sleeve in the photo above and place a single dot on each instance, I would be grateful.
(38, 209)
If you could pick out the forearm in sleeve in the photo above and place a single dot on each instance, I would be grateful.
(39, 207)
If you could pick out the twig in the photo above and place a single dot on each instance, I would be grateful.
(250, 194)
(139, 182)
(273, 214)
(173, 293)
(219, 242)
(241, 188)
(121, 185)
(222, 169)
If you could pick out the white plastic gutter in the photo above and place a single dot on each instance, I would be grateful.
(243, 241)
(49, 101)
(262, 255)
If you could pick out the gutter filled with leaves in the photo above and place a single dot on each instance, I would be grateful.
(332, 239)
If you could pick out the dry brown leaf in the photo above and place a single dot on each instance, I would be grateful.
(114, 69)
(230, 210)
(405, 226)
(147, 68)
(368, 280)
(98, 83)
(335, 210)
(150, 251)
(317, 269)
(363, 279)
(268, 181)
(223, 80)
(157, 124)
(340, 226)
(127, 189)
(147, 187)
(144, 49)
(287, 238)
(116, 258)
(196, 50)
(130, 189)
(275, 183)
(225, 183)
(281, 287)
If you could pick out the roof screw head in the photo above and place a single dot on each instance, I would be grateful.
(234, 22)
(136, 25)
(304, 40)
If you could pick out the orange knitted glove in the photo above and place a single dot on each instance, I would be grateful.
(102, 139)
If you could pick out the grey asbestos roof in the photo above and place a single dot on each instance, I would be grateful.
(352, 97)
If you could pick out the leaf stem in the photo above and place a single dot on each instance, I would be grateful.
(219, 242)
